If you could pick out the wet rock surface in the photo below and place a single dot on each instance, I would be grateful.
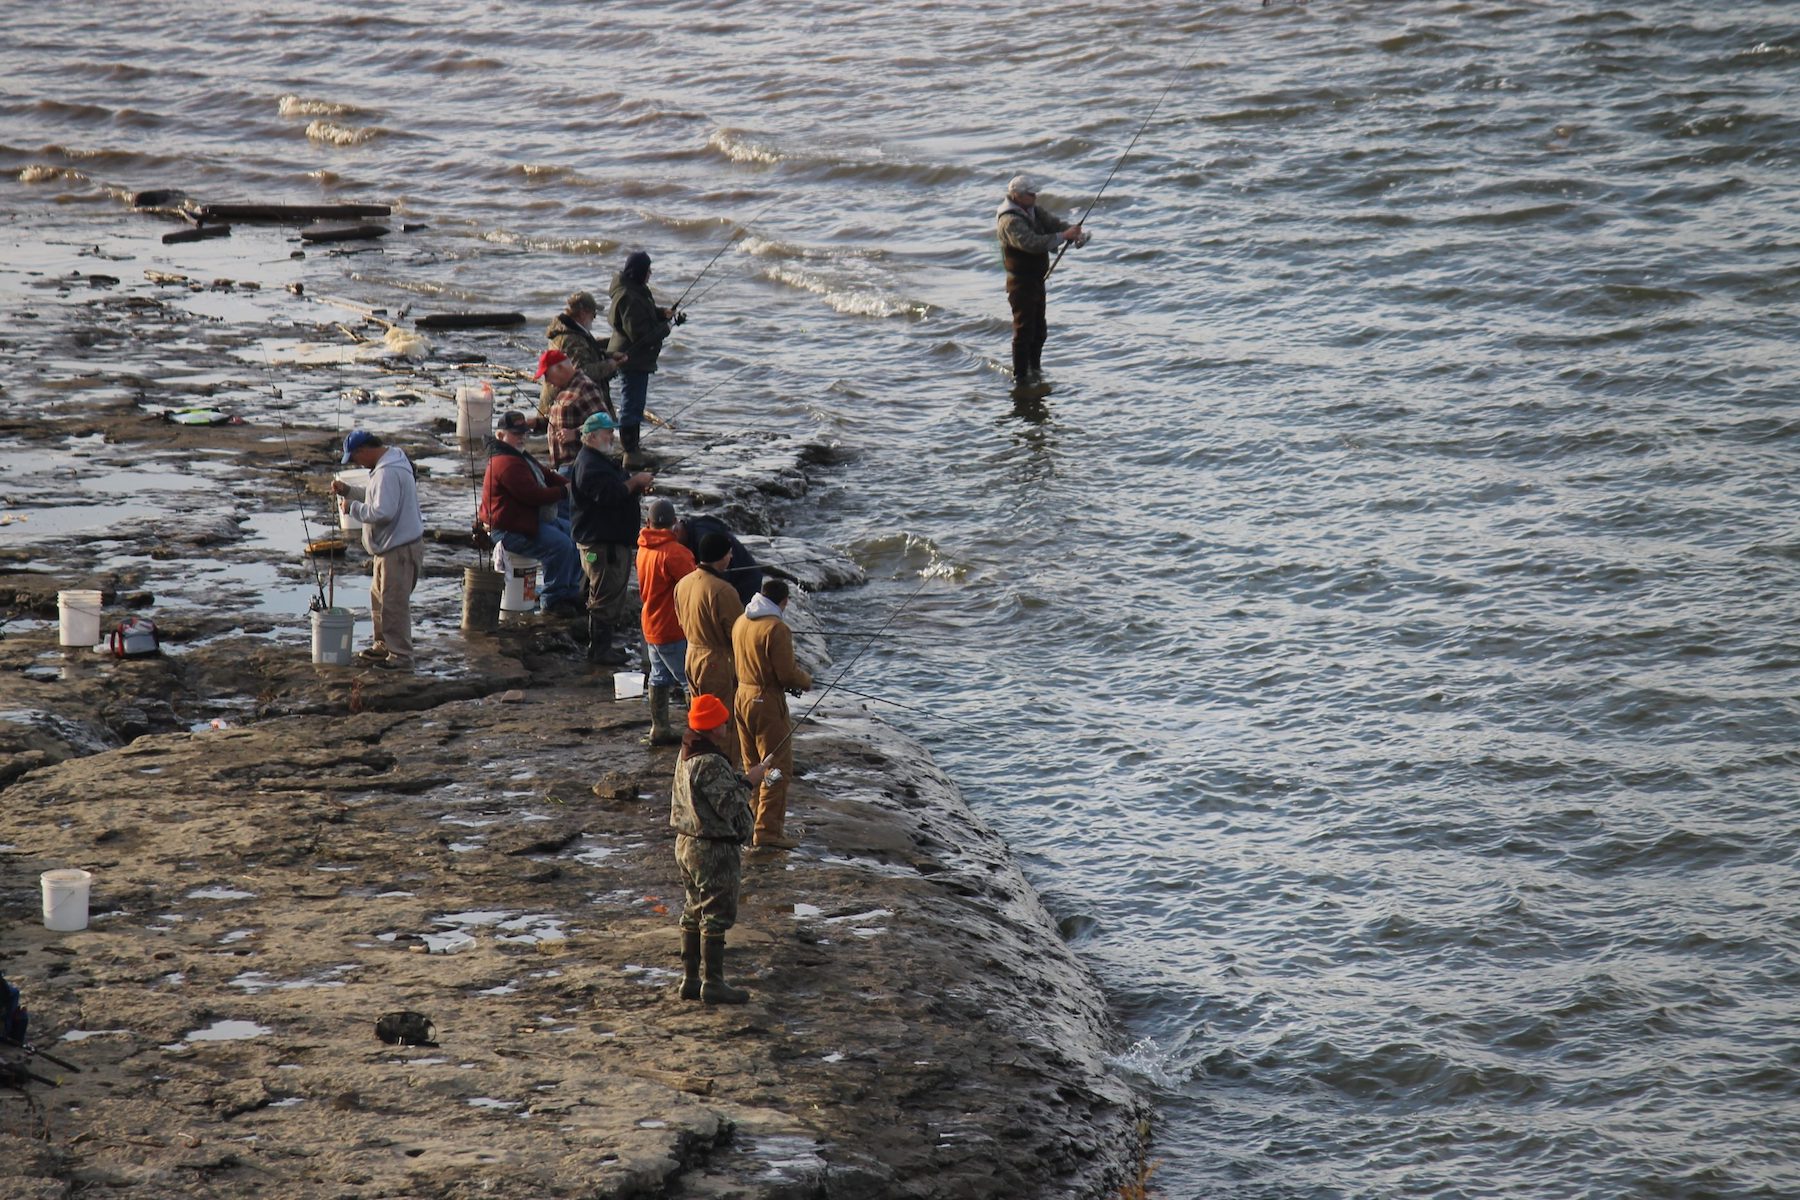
(284, 852)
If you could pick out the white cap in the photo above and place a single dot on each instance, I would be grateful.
(1022, 185)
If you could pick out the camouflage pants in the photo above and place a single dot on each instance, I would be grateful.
(710, 872)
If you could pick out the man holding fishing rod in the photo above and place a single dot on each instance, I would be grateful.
(639, 328)
(1027, 235)
(393, 534)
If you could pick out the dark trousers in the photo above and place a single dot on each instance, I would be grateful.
(1029, 327)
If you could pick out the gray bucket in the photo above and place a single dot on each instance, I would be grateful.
(482, 587)
(333, 630)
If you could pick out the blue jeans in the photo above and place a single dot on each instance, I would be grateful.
(555, 549)
(634, 387)
(668, 664)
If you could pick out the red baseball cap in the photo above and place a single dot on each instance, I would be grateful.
(548, 359)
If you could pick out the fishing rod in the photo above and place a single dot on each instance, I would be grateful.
(884, 700)
(737, 228)
(305, 528)
(1121, 162)
(900, 608)
(669, 421)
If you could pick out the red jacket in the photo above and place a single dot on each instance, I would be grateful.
(661, 563)
(511, 494)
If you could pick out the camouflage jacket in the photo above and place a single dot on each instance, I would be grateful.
(710, 799)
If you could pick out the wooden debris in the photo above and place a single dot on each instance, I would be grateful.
(351, 233)
(291, 212)
(197, 234)
(474, 320)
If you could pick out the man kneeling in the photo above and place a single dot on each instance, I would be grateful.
(709, 809)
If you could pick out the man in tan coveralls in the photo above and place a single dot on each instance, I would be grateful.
(762, 648)
(708, 606)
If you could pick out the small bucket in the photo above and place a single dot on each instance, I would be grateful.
(482, 588)
(80, 618)
(333, 629)
(358, 477)
(521, 595)
(65, 899)
(474, 412)
(628, 685)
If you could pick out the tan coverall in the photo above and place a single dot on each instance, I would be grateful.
(707, 607)
(763, 650)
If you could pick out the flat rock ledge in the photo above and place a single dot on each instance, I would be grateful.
(486, 843)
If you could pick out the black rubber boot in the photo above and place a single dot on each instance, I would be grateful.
(690, 964)
(601, 651)
(661, 732)
(714, 989)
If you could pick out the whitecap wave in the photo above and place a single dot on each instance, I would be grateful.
(291, 105)
(342, 135)
(857, 300)
(506, 237)
(40, 173)
(744, 147)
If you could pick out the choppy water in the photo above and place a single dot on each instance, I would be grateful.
(1382, 645)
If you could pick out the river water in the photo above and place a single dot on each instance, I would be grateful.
(1381, 646)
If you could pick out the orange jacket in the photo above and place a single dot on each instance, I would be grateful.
(661, 563)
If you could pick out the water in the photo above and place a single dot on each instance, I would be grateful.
(1381, 645)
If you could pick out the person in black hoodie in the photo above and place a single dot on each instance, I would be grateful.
(606, 531)
(639, 329)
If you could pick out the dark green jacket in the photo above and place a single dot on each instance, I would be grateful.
(584, 349)
(638, 328)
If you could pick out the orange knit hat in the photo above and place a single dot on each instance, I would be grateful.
(707, 712)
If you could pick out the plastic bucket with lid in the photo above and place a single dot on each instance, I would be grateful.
(80, 614)
(65, 899)
(333, 629)
(474, 412)
(357, 477)
(521, 595)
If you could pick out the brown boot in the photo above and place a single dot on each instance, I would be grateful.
(714, 989)
(690, 964)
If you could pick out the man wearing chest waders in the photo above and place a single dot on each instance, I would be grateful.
(1027, 235)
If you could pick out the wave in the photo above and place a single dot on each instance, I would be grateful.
(863, 302)
(342, 135)
(292, 105)
(459, 62)
(586, 246)
(39, 173)
(872, 165)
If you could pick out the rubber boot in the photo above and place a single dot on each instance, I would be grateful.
(690, 964)
(714, 989)
(601, 651)
(661, 732)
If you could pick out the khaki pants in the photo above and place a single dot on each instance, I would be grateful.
(762, 715)
(396, 573)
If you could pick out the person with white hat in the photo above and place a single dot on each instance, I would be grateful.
(1028, 234)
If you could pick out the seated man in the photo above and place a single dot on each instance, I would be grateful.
(519, 496)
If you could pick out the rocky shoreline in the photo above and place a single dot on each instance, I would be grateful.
(284, 852)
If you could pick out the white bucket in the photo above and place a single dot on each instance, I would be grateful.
(474, 412)
(357, 477)
(521, 593)
(628, 685)
(65, 899)
(333, 630)
(80, 615)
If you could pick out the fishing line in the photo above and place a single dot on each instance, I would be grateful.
(793, 725)
(305, 528)
(1121, 162)
(669, 421)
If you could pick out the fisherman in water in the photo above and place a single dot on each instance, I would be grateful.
(1027, 236)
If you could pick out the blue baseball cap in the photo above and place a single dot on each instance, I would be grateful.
(356, 439)
(598, 422)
